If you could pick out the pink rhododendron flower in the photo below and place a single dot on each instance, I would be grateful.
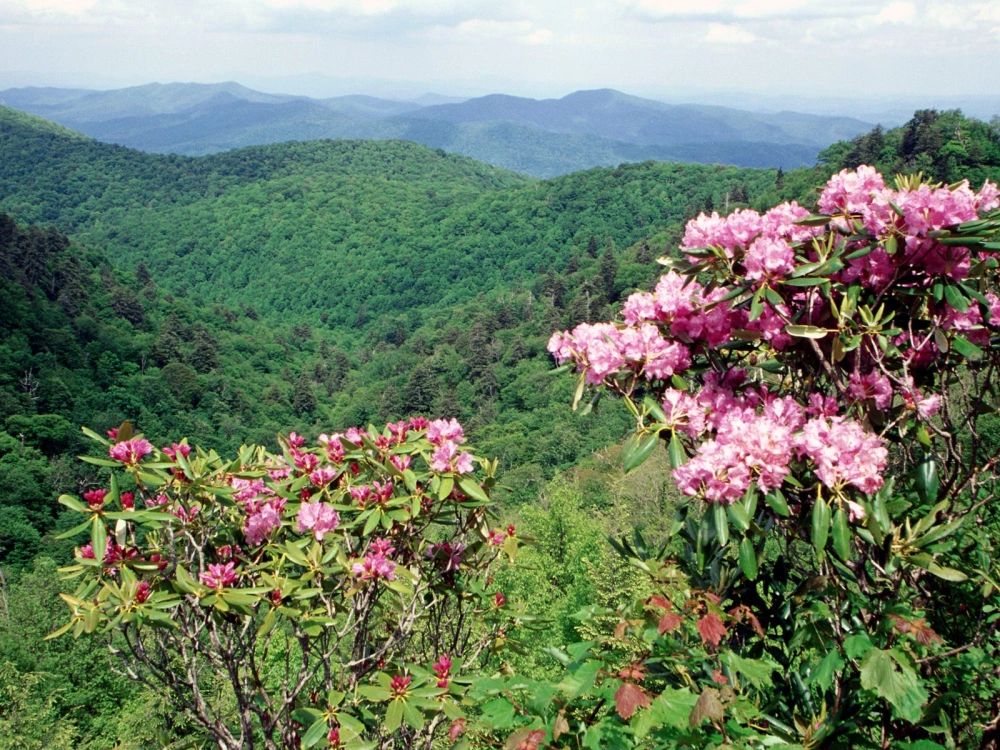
(850, 191)
(248, 489)
(925, 406)
(446, 458)
(398, 430)
(376, 563)
(95, 498)
(319, 518)
(419, 423)
(142, 592)
(334, 448)
(874, 385)
(399, 684)
(440, 431)
(263, 519)
(360, 494)
(769, 258)
(127, 499)
(442, 670)
(843, 453)
(176, 449)
(219, 576)
(400, 462)
(130, 451)
(496, 538)
(323, 476)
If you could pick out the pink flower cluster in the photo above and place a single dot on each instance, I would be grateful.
(739, 231)
(130, 452)
(442, 670)
(319, 518)
(219, 576)
(263, 519)
(755, 437)
(446, 436)
(376, 563)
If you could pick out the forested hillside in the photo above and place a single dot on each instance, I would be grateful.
(315, 286)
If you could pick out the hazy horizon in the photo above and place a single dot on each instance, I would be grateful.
(856, 53)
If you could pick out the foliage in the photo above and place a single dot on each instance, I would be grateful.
(820, 399)
(357, 571)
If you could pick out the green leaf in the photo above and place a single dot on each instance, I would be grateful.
(412, 715)
(805, 281)
(748, 559)
(316, 732)
(642, 451)
(394, 715)
(98, 538)
(806, 332)
(445, 488)
(955, 299)
(820, 524)
(755, 671)
(895, 681)
(75, 530)
(470, 488)
(721, 523)
(738, 515)
(841, 535)
(927, 479)
(670, 709)
(580, 386)
(823, 675)
(966, 348)
(72, 503)
(677, 454)
(948, 574)
(775, 500)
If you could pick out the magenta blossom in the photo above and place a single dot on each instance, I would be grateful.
(446, 458)
(319, 518)
(130, 451)
(219, 576)
(440, 431)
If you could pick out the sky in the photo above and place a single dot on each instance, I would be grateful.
(661, 48)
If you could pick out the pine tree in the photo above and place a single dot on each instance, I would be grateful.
(573, 265)
(779, 180)
(421, 390)
(644, 255)
(592, 246)
(607, 271)
(303, 398)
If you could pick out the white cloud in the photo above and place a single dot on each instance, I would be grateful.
(720, 33)
(483, 29)
(896, 13)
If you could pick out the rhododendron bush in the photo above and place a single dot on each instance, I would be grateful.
(825, 386)
(334, 594)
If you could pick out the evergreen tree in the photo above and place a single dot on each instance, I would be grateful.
(421, 390)
(644, 255)
(779, 180)
(303, 398)
(142, 274)
(607, 271)
(204, 355)
(592, 246)
(573, 265)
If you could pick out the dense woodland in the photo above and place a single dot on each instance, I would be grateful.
(154, 288)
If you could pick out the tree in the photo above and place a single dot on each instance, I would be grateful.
(607, 271)
(592, 247)
(303, 398)
(830, 465)
(213, 572)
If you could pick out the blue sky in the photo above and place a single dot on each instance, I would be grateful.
(875, 48)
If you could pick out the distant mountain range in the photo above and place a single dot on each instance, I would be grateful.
(539, 137)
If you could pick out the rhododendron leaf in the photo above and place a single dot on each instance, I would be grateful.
(411, 715)
(676, 450)
(948, 574)
(73, 504)
(630, 697)
(580, 386)
(721, 519)
(94, 436)
(773, 297)
(757, 305)
(99, 461)
(938, 533)
(748, 559)
(98, 538)
(394, 715)
(560, 370)
(750, 501)
(372, 523)
(841, 535)
(654, 410)
(806, 332)
(470, 487)
(75, 530)
(820, 524)
(151, 479)
(966, 348)
(926, 475)
(805, 281)
(268, 622)
(316, 732)
(738, 515)
(641, 452)
(775, 500)
(956, 299)
(813, 220)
